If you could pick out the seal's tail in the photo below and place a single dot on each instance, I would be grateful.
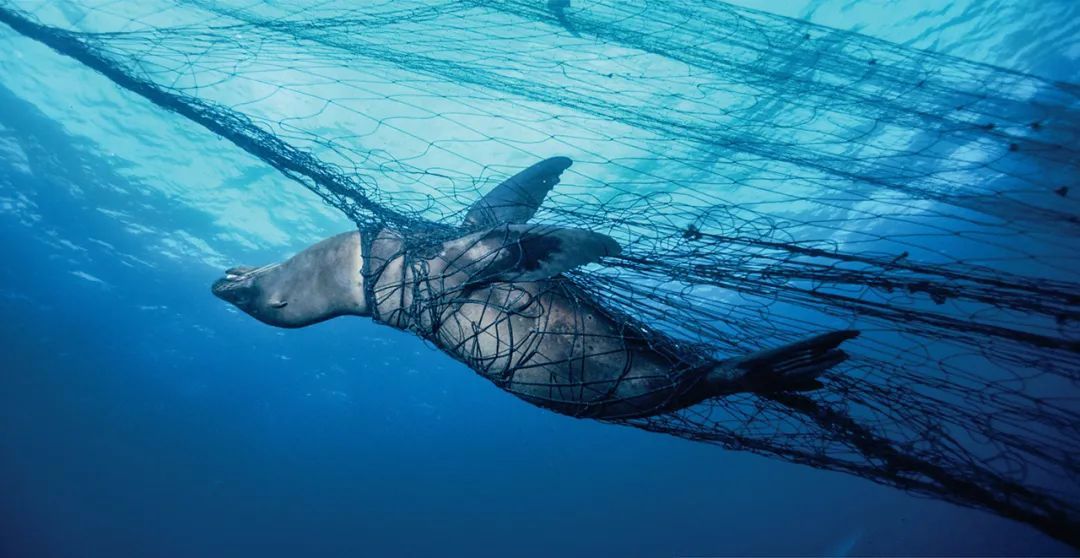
(793, 367)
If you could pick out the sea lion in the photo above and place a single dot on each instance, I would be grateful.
(492, 297)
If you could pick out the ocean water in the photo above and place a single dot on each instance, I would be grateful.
(140, 416)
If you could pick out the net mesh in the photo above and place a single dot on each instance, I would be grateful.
(767, 178)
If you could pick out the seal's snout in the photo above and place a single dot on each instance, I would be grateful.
(221, 286)
(234, 287)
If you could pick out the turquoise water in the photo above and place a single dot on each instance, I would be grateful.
(141, 416)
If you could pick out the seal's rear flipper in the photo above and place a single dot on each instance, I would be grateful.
(518, 197)
(793, 367)
(521, 253)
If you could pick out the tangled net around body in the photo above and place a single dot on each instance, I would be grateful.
(768, 179)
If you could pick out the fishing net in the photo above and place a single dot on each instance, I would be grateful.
(768, 179)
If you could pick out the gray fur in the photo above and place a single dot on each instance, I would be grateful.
(320, 283)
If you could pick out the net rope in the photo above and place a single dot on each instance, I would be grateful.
(767, 178)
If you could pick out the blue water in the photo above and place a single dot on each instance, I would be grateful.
(140, 416)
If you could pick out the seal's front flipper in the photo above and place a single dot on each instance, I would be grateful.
(510, 253)
(793, 367)
(518, 197)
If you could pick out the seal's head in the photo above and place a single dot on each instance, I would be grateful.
(320, 283)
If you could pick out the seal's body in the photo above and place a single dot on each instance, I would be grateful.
(495, 300)
(545, 341)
